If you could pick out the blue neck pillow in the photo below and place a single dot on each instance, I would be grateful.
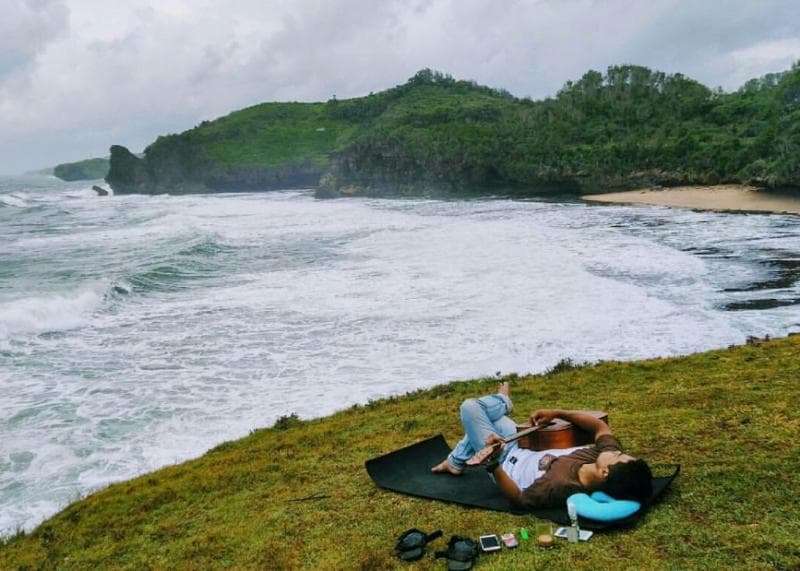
(602, 507)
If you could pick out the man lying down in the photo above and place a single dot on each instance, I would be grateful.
(546, 478)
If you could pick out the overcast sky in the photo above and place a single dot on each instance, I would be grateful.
(79, 75)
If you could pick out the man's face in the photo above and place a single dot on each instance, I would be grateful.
(607, 459)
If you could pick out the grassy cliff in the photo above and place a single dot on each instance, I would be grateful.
(628, 127)
(268, 146)
(296, 496)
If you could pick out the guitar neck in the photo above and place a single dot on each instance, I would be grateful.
(528, 431)
(487, 452)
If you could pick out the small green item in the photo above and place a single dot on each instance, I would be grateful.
(523, 533)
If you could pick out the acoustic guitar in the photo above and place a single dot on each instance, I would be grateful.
(558, 433)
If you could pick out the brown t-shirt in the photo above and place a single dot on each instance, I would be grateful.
(560, 481)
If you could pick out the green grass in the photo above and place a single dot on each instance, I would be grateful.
(728, 416)
(273, 135)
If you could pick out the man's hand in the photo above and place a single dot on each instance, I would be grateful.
(494, 446)
(545, 415)
(493, 439)
(579, 418)
(497, 444)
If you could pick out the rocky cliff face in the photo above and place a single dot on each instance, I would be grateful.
(127, 173)
(254, 179)
(183, 169)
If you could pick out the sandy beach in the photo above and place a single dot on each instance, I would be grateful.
(726, 198)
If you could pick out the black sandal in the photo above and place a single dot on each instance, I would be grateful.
(461, 553)
(411, 545)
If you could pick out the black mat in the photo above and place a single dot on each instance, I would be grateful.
(408, 471)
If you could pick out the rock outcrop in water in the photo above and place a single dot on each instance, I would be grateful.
(629, 128)
(128, 173)
(178, 169)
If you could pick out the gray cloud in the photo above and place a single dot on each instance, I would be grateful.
(129, 72)
(26, 28)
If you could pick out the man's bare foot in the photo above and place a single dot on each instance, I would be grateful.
(445, 467)
(504, 389)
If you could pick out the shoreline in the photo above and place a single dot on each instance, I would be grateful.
(719, 198)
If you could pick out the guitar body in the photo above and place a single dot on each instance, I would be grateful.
(560, 434)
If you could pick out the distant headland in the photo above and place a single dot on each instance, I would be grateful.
(89, 169)
(433, 135)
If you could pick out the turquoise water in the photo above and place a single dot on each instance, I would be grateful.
(140, 331)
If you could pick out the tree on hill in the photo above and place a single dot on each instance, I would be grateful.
(629, 126)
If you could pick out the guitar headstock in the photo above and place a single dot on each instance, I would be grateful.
(483, 456)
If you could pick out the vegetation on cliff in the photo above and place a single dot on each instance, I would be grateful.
(273, 145)
(628, 127)
(297, 496)
(89, 169)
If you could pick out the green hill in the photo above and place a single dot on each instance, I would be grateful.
(272, 145)
(89, 169)
(628, 127)
(296, 496)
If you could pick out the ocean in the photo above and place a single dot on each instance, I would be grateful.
(140, 331)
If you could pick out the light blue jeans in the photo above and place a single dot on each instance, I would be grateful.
(481, 417)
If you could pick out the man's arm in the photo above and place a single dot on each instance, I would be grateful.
(507, 486)
(580, 419)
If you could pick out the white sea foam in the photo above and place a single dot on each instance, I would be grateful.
(42, 314)
(14, 199)
(86, 192)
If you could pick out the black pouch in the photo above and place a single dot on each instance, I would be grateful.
(411, 545)
(461, 553)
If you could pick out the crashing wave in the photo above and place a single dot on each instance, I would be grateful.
(45, 314)
(14, 200)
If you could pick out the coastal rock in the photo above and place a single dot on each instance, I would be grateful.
(231, 179)
(328, 187)
(127, 173)
(176, 166)
(159, 174)
(100, 190)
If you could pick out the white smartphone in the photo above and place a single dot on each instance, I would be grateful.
(489, 543)
(584, 535)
